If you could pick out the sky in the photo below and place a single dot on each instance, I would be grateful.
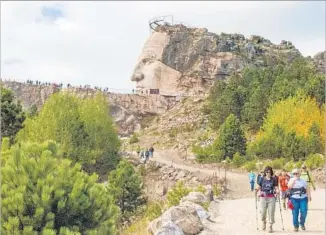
(98, 43)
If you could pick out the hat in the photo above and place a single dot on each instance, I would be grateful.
(295, 171)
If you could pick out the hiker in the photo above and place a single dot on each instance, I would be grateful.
(151, 151)
(147, 154)
(259, 176)
(142, 154)
(307, 177)
(268, 187)
(283, 181)
(252, 178)
(299, 195)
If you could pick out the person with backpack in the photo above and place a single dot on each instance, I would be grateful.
(151, 151)
(283, 181)
(268, 187)
(147, 154)
(299, 195)
(252, 178)
(307, 177)
(142, 156)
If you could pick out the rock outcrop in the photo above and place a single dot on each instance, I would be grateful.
(187, 218)
(127, 109)
(177, 59)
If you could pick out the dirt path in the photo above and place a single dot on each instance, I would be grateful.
(238, 183)
(239, 217)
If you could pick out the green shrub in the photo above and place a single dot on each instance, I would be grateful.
(205, 205)
(298, 164)
(178, 191)
(200, 188)
(142, 170)
(289, 166)
(315, 160)
(217, 190)
(238, 160)
(133, 139)
(204, 136)
(277, 163)
(173, 132)
(250, 166)
(154, 210)
(202, 154)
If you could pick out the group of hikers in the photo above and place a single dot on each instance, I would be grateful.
(293, 189)
(145, 154)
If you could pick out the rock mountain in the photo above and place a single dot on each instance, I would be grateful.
(178, 61)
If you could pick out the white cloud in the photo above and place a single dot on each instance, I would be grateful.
(98, 43)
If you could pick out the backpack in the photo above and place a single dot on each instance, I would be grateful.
(267, 186)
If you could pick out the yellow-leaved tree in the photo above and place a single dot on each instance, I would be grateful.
(295, 114)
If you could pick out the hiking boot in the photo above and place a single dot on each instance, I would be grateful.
(263, 227)
(296, 229)
(270, 229)
(303, 227)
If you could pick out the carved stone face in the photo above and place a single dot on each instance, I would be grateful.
(150, 72)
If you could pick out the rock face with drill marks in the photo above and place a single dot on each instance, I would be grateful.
(176, 59)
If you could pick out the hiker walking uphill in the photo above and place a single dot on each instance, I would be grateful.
(147, 154)
(268, 187)
(252, 178)
(283, 181)
(299, 194)
(151, 151)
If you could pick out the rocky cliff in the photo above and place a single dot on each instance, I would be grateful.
(176, 59)
(126, 109)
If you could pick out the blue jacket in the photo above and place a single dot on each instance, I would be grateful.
(252, 177)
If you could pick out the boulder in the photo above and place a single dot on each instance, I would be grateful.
(202, 214)
(183, 216)
(195, 197)
(169, 228)
(160, 188)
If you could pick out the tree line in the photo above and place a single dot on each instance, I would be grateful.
(280, 106)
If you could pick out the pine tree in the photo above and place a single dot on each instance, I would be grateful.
(12, 116)
(232, 138)
(45, 194)
(125, 185)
